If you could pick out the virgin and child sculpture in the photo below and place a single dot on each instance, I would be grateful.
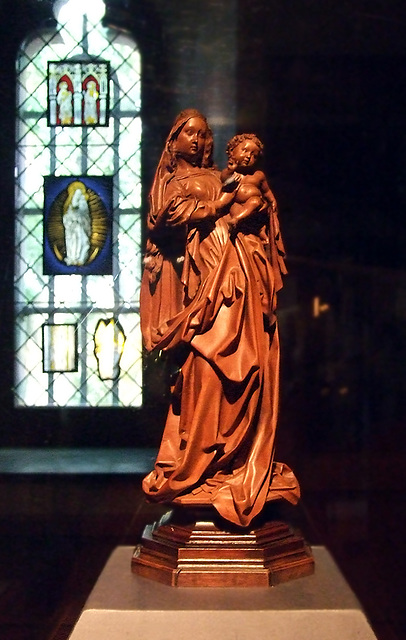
(213, 267)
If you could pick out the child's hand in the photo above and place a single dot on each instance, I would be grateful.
(230, 221)
(231, 165)
(232, 181)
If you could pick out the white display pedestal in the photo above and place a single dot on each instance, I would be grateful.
(124, 606)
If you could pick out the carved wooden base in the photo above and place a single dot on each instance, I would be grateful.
(202, 553)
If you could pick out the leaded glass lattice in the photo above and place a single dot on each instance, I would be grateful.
(43, 150)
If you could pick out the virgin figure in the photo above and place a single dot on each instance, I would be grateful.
(209, 300)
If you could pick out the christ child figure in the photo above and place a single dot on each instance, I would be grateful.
(252, 195)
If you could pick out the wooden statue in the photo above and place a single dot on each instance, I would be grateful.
(213, 267)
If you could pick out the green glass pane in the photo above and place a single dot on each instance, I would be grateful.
(68, 160)
(97, 42)
(129, 259)
(32, 164)
(31, 285)
(129, 81)
(68, 136)
(100, 160)
(66, 389)
(29, 228)
(130, 383)
(36, 88)
(130, 187)
(33, 132)
(30, 381)
(100, 136)
(32, 289)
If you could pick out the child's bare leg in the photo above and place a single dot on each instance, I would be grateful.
(254, 203)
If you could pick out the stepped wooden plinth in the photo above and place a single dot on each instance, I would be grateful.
(203, 553)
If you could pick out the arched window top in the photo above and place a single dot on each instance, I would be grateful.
(71, 12)
(80, 33)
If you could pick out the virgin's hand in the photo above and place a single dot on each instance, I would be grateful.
(230, 221)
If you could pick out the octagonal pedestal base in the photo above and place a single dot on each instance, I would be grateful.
(195, 551)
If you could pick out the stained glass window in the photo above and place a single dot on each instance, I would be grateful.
(78, 300)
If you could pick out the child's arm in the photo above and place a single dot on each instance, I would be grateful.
(266, 191)
(228, 175)
(229, 180)
(225, 174)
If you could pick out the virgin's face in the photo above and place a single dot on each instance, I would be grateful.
(191, 140)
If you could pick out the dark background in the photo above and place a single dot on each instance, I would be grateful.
(324, 85)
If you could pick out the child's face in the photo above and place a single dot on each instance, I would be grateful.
(245, 154)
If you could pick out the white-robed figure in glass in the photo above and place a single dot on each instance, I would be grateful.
(64, 100)
(77, 225)
(90, 97)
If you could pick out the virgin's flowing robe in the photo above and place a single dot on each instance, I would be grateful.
(217, 296)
